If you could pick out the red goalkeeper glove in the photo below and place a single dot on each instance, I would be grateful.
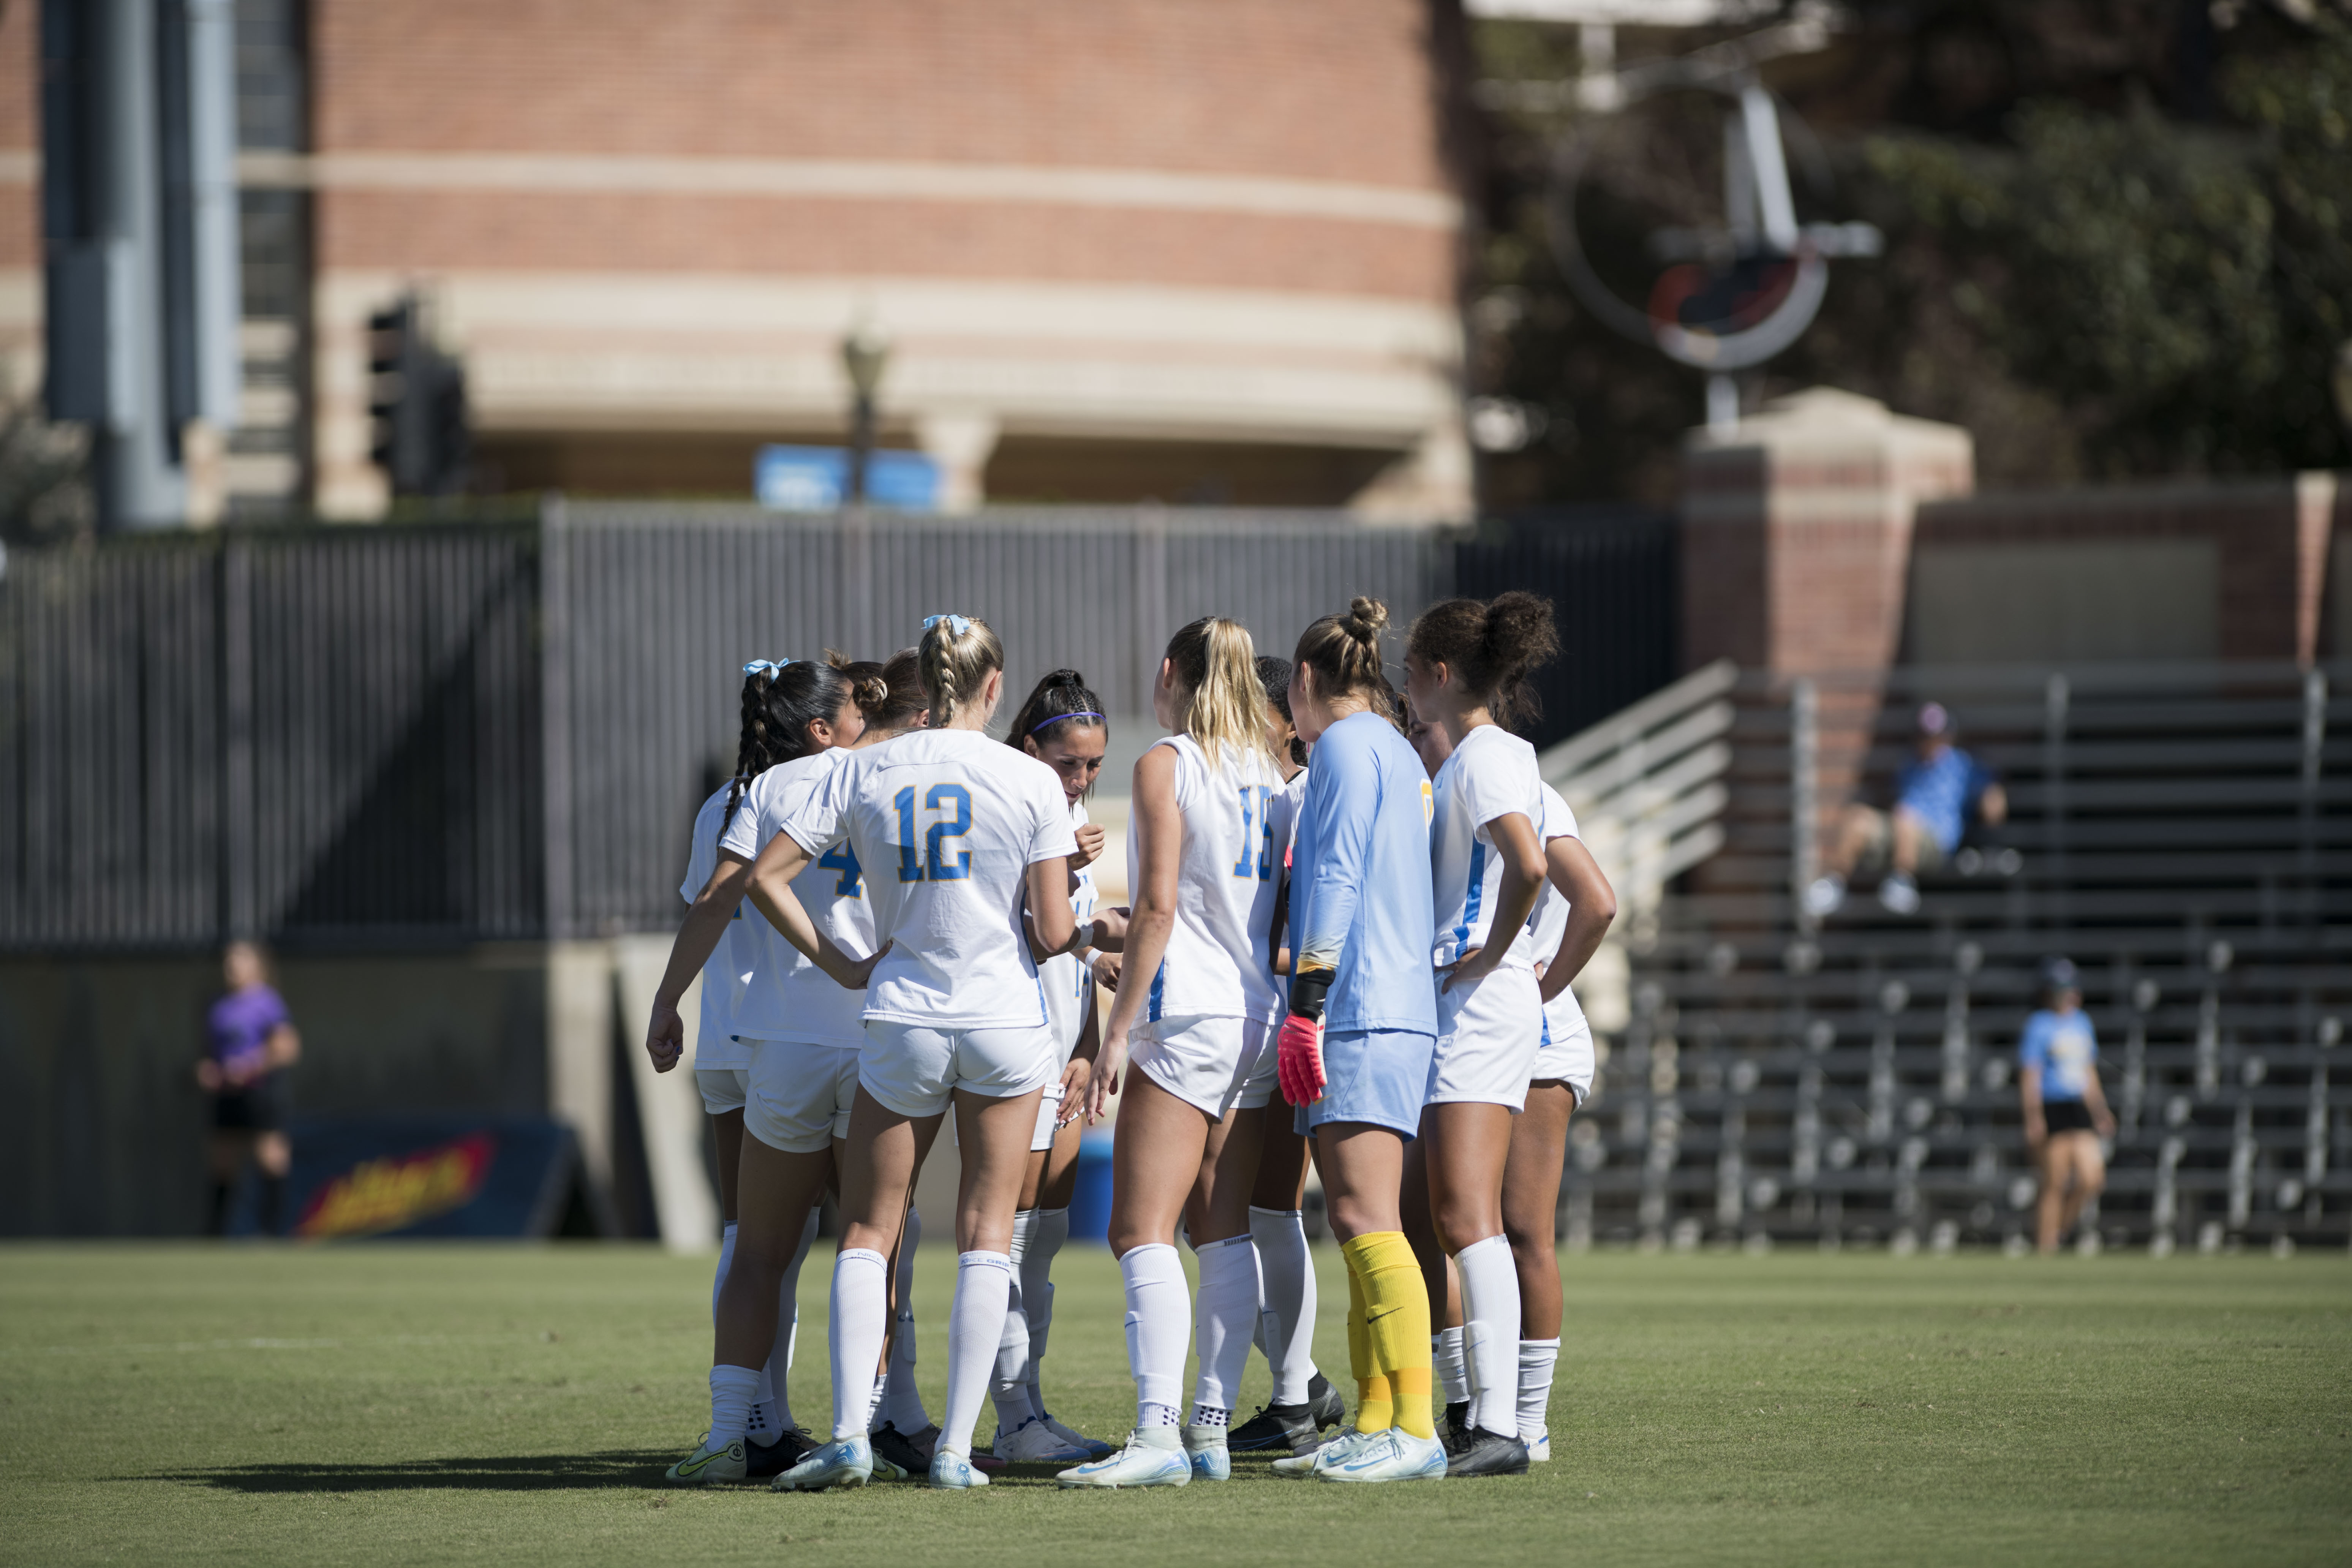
(1298, 1060)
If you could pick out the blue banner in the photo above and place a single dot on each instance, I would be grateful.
(816, 478)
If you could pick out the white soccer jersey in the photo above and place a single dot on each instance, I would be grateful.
(1563, 1018)
(1069, 977)
(726, 973)
(1294, 791)
(1236, 820)
(789, 997)
(1491, 774)
(946, 823)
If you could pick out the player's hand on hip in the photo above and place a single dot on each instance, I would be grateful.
(854, 974)
(1298, 1060)
(664, 1036)
(1470, 968)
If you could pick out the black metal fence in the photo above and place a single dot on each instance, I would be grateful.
(323, 735)
(339, 736)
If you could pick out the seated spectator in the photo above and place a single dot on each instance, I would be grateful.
(1933, 797)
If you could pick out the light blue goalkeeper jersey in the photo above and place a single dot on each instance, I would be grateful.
(1360, 884)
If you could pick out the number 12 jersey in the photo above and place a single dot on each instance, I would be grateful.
(944, 825)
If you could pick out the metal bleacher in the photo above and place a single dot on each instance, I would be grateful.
(2184, 833)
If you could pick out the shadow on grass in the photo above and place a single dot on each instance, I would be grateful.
(640, 1468)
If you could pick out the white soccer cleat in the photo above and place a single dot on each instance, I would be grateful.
(707, 1464)
(1204, 1450)
(1300, 1466)
(1394, 1455)
(1539, 1449)
(952, 1472)
(1034, 1442)
(1145, 1462)
(1095, 1447)
(844, 1462)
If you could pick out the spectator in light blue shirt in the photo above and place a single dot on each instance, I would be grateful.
(1933, 797)
(2065, 1111)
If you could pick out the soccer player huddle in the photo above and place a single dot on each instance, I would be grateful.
(1353, 918)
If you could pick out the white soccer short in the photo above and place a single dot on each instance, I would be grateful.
(915, 1070)
(1209, 1061)
(800, 1095)
(723, 1089)
(1487, 1038)
(1049, 1114)
(1566, 1057)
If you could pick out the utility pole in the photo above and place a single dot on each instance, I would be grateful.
(138, 230)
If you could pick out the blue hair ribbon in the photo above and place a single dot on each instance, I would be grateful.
(955, 624)
(772, 667)
(1081, 713)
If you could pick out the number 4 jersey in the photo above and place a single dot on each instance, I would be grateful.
(945, 824)
(1236, 826)
(788, 998)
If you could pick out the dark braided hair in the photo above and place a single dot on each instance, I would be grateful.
(1274, 674)
(1060, 702)
(778, 708)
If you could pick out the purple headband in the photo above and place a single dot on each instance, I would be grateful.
(1082, 713)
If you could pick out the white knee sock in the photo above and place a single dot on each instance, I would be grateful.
(788, 1329)
(860, 1319)
(1010, 1387)
(1286, 1303)
(1490, 1333)
(1535, 1359)
(760, 1423)
(975, 1324)
(1159, 1321)
(904, 1407)
(730, 1402)
(1228, 1307)
(1445, 1356)
(1048, 1231)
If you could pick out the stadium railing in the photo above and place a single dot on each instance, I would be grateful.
(2184, 833)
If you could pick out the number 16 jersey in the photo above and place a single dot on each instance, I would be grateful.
(1236, 826)
(945, 825)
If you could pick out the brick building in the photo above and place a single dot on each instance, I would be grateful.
(1203, 252)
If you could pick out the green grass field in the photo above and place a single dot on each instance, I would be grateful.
(388, 1405)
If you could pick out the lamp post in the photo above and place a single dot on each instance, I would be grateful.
(864, 354)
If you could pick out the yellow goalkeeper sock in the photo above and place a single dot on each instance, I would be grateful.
(1396, 1324)
(1375, 1408)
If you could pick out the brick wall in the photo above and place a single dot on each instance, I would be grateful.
(1333, 89)
(576, 179)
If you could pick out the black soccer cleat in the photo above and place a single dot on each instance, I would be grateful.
(1324, 1402)
(1485, 1453)
(1457, 1422)
(774, 1458)
(1290, 1426)
(896, 1454)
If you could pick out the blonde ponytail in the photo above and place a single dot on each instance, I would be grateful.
(1215, 665)
(957, 654)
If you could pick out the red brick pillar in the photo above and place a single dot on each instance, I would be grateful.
(1797, 545)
